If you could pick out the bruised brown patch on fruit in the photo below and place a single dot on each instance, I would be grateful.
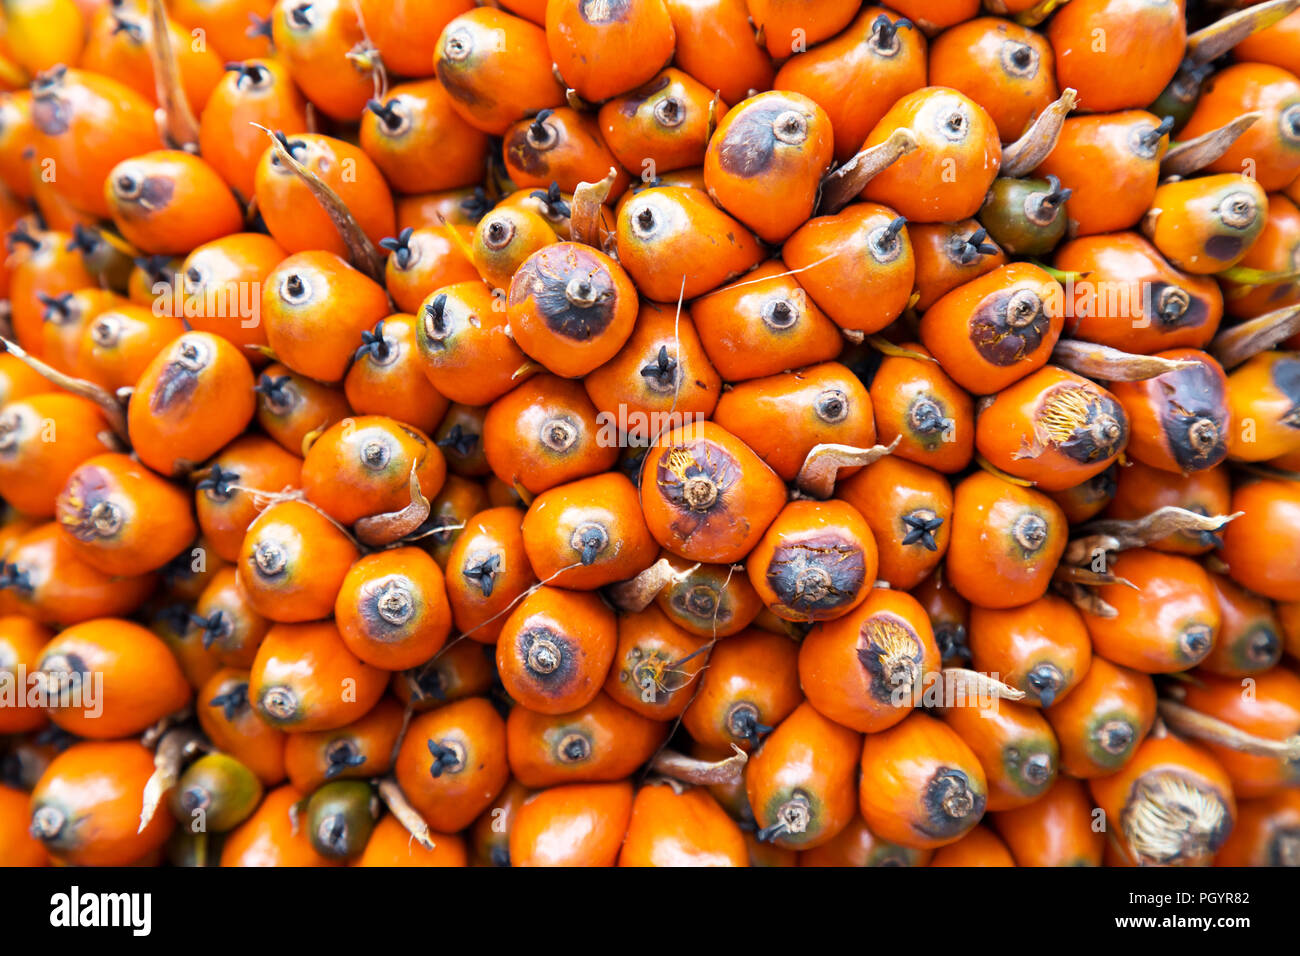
(1194, 417)
(815, 574)
(50, 111)
(694, 477)
(1172, 818)
(892, 654)
(1173, 307)
(1286, 378)
(597, 12)
(176, 385)
(549, 658)
(1083, 424)
(86, 508)
(753, 137)
(527, 154)
(636, 99)
(455, 67)
(389, 606)
(951, 803)
(1008, 325)
(574, 293)
(1223, 248)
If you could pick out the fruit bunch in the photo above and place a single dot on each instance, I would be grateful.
(654, 432)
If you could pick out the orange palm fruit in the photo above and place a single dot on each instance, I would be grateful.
(1015, 746)
(544, 433)
(669, 827)
(816, 562)
(1171, 805)
(995, 330)
(227, 625)
(256, 90)
(43, 578)
(1004, 67)
(423, 261)
(783, 417)
(762, 325)
(921, 785)
(1265, 531)
(979, 847)
(606, 49)
(304, 678)
(270, 838)
(1207, 224)
(1054, 428)
(856, 845)
(716, 45)
(868, 669)
(749, 687)
(452, 763)
(1041, 648)
(392, 609)
(1142, 52)
(600, 741)
(800, 783)
(774, 144)
(191, 401)
(361, 749)
(366, 466)
(419, 141)
(708, 600)
(293, 561)
(555, 650)
(69, 110)
(908, 508)
(1168, 616)
(571, 307)
(957, 157)
(225, 497)
(17, 846)
(234, 726)
(1000, 529)
(1270, 711)
(1104, 719)
(588, 533)
(788, 26)
(656, 665)
(496, 68)
(123, 519)
(706, 495)
(1250, 637)
(86, 808)
(315, 307)
(915, 402)
(676, 224)
(577, 824)
(858, 74)
(169, 202)
(467, 344)
(857, 265)
(487, 572)
(127, 677)
(390, 844)
(1055, 830)
(21, 643)
(43, 439)
(1265, 832)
